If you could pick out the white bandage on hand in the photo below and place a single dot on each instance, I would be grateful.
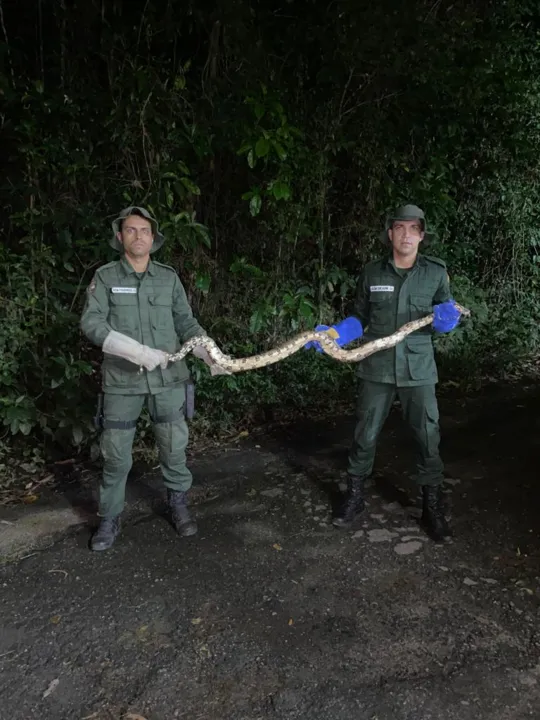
(151, 358)
(129, 349)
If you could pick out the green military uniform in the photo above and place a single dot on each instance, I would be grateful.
(387, 298)
(152, 308)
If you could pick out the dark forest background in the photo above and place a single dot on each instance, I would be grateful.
(270, 137)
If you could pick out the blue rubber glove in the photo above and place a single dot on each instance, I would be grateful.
(446, 316)
(342, 333)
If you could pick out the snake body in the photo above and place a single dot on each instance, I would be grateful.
(331, 348)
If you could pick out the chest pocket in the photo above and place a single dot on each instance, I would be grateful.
(124, 311)
(161, 311)
(381, 310)
(421, 305)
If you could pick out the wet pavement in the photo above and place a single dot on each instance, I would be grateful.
(270, 613)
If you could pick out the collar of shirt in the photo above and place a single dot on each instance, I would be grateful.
(130, 270)
(419, 262)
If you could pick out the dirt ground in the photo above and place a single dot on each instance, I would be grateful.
(271, 614)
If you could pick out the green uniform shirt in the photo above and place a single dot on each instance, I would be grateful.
(151, 307)
(387, 298)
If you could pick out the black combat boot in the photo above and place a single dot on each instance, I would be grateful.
(106, 533)
(433, 520)
(182, 520)
(354, 502)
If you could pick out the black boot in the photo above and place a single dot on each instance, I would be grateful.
(106, 533)
(354, 502)
(433, 520)
(182, 520)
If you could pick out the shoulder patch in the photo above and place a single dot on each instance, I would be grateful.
(91, 289)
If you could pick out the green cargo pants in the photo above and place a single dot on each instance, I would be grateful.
(120, 415)
(421, 413)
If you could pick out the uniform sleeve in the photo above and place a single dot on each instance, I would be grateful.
(361, 303)
(443, 293)
(185, 324)
(96, 311)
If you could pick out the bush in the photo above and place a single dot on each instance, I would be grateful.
(270, 164)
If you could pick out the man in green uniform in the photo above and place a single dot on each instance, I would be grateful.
(137, 310)
(402, 286)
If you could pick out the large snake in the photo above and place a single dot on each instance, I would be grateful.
(235, 365)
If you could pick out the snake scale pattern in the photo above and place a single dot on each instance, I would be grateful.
(236, 365)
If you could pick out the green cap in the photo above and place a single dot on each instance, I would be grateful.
(126, 212)
(407, 212)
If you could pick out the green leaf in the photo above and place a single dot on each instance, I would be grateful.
(262, 147)
(259, 110)
(55, 384)
(78, 435)
(240, 265)
(179, 82)
(255, 205)
(202, 232)
(256, 321)
(25, 428)
(251, 159)
(65, 236)
(281, 191)
(202, 282)
(190, 185)
(280, 150)
(306, 309)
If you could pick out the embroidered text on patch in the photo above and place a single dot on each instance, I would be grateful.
(381, 288)
(125, 290)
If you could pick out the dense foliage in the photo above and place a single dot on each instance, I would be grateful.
(270, 137)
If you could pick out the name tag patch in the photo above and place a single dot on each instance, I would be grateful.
(381, 288)
(124, 290)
